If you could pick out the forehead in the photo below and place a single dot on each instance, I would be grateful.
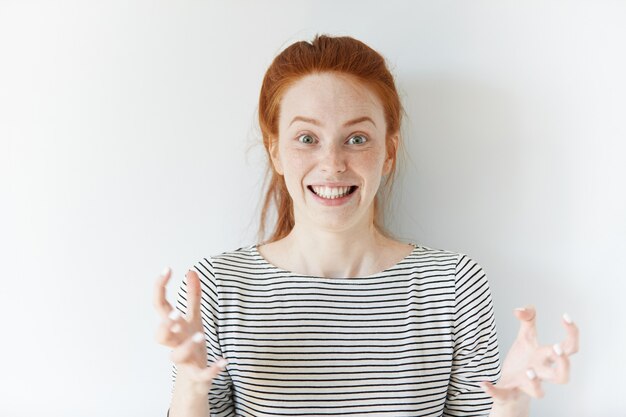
(330, 97)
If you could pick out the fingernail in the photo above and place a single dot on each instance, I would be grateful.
(174, 315)
(567, 318)
(557, 349)
(176, 328)
(165, 271)
(222, 364)
(531, 374)
(520, 309)
(198, 337)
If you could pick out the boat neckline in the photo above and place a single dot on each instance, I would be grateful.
(255, 251)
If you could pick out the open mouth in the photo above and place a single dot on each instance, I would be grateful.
(332, 193)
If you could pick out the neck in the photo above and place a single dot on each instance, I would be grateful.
(337, 254)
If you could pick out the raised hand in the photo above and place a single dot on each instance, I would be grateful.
(185, 335)
(528, 364)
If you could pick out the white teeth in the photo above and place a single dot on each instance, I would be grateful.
(330, 192)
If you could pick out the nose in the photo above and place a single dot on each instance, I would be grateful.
(333, 159)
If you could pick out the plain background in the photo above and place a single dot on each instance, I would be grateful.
(129, 142)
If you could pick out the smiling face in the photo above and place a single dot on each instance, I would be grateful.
(331, 151)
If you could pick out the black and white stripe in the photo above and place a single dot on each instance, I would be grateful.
(413, 340)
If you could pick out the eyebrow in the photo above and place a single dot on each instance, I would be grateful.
(346, 124)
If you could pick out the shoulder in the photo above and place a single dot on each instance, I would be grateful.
(429, 255)
(443, 254)
(426, 252)
(242, 254)
(461, 265)
(241, 260)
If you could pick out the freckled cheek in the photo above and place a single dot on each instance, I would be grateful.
(296, 166)
(371, 163)
(297, 161)
(370, 167)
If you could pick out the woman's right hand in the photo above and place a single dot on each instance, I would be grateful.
(185, 336)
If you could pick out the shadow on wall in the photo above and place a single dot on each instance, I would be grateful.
(480, 179)
(464, 162)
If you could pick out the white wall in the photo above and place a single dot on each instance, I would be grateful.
(128, 142)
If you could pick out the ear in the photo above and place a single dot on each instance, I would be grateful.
(275, 156)
(392, 151)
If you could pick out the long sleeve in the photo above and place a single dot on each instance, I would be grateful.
(220, 396)
(476, 356)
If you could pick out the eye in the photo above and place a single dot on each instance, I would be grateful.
(358, 139)
(306, 139)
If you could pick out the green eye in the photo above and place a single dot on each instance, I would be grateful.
(305, 139)
(359, 139)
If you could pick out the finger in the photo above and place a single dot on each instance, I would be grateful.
(497, 393)
(561, 366)
(570, 345)
(209, 373)
(191, 352)
(526, 316)
(172, 333)
(159, 300)
(531, 384)
(203, 376)
(177, 323)
(193, 297)
(551, 364)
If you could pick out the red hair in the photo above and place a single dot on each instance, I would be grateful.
(344, 55)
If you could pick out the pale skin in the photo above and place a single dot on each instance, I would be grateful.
(332, 131)
(336, 153)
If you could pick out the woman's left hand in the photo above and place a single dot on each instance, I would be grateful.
(528, 364)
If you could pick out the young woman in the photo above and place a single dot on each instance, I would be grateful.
(332, 315)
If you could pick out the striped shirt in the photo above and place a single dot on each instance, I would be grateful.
(412, 340)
